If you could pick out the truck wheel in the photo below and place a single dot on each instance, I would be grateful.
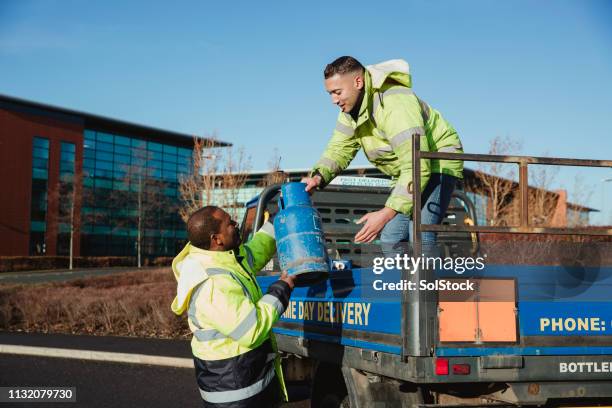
(366, 390)
(331, 401)
(328, 388)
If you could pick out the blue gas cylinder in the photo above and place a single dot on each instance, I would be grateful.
(300, 242)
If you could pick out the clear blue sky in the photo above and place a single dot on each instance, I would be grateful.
(538, 72)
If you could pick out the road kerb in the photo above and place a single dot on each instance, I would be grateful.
(107, 356)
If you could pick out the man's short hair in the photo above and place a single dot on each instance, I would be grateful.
(342, 65)
(202, 224)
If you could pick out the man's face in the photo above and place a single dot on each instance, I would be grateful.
(228, 234)
(345, 89)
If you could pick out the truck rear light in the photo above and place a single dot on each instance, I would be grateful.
(461, 369)
(441, 366)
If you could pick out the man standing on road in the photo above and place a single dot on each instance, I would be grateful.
(381, 114)
(235, 354)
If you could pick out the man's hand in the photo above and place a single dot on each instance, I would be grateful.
(288, 279)
(312, 182)
(374, 223)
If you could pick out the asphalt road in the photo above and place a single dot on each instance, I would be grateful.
(103, 385)
(106, 384)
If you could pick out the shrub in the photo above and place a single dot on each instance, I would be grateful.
(127, 304)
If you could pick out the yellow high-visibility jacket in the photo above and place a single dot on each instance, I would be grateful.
(390, 116)
(230, 318)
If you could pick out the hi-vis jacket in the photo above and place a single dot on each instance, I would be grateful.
(389, 116)
(231, 319)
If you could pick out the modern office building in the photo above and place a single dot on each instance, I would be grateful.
(107, 180)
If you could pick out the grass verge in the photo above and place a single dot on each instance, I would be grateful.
(126, 304)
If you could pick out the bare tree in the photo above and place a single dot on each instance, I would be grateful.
(195, 188)
(546, 205)
(542, 201)
(496, 181)
(276, 175)
(581, 193)
(216, 177)
(234, 173)
(64, 192)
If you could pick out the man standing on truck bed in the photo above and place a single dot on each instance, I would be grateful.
(380, 113)
(234, 350)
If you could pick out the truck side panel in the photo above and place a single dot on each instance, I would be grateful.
(553, 317)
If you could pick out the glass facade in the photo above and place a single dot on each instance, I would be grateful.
(130, 189)
(234, 202)
(38, 208)
(65, 192)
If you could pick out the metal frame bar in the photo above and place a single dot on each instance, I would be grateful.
(523, 162)
(419, 309)
(418, 326)
(493, 158)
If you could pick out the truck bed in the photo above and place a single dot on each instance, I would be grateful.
(346, 310)
(561, 317)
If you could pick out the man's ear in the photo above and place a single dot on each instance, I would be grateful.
(359, 83)
(216, 241)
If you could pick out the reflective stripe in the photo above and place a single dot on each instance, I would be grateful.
(219, 397)
(244, 288)
(202, 334)
(424, 109)
(324, 161)
(450, 149)
(405, 135)
(271, 357)
(376, 101)
(219, 271)
(245, 325)
(191, 313)
(378, 97)
(213, 334)
(402, 191)
(274, 301)
(250, 259)
(376, 153)
(345, 129)
(208, 334)
(268, 228)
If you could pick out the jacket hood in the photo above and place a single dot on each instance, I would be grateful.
(397, 70)
(189, 268)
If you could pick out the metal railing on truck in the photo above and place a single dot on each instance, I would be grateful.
(419, 308)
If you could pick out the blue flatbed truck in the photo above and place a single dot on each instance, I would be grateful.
(537, 330)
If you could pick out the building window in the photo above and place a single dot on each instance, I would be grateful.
(117, 169)
(38, 207)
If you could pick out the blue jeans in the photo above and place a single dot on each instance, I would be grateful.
(434, 202)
